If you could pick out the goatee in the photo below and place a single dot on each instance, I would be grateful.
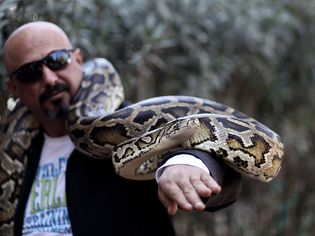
(59, 110)
(60, 107)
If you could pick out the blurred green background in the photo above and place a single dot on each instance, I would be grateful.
(255, 55)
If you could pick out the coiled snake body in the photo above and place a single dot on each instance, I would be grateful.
(137, 137)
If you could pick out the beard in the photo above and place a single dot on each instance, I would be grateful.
(59, 110)
(59, 106)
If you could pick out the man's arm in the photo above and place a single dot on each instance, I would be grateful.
(193, 188)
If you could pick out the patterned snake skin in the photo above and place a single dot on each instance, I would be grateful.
(137, 137)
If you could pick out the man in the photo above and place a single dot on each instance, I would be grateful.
(66, 193)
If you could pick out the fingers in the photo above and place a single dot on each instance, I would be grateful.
(210, 183)
(184, 186)
(173, 193)
(191, 193)
(200, 187)
(169, 204)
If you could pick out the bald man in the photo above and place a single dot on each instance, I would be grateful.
(66, 193)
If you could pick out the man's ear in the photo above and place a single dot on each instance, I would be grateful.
(78, 56)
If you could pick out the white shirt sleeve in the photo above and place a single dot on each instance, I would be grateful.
(181, 159)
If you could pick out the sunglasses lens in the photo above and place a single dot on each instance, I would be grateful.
(58, 60)
(29, 73)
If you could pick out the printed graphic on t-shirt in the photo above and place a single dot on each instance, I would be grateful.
(46, 210)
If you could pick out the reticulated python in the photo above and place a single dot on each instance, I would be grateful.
(136, 137)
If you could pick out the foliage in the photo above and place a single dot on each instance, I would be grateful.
(256, 55)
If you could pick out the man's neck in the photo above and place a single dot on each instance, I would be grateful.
(55, 127)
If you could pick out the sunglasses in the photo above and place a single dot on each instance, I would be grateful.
(33, 71)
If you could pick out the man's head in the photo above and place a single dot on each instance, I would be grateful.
(44, 70)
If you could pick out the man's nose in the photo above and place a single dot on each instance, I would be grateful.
(49, 76)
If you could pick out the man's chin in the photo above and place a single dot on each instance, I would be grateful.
(56, 113)
(57, 109)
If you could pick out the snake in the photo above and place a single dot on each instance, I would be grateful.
(137, 137)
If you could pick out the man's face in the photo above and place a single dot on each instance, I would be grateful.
(45, 87)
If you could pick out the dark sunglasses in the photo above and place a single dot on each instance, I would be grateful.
(33, 71)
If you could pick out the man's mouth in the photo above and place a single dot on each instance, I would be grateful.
(53, 102)
(53, 92)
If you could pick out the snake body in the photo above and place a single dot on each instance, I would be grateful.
(137, 137)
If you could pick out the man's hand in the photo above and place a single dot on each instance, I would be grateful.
(183, 186)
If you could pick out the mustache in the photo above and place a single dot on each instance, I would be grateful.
(57, 88)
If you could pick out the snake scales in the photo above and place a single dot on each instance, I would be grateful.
(137, 136)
